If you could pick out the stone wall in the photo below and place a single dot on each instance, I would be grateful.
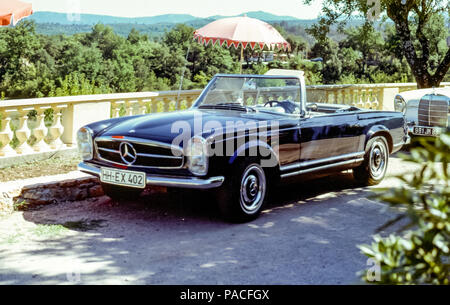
(46, 193)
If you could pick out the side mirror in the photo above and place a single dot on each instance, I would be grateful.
(313, 107)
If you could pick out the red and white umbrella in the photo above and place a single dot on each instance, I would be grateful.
(11, 11)
(241, 32)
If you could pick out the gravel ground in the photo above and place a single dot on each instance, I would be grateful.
(52, 166)
(307, 235)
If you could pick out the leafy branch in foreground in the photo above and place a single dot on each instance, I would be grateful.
(421, 254)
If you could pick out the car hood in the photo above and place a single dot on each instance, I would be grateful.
(164, 127)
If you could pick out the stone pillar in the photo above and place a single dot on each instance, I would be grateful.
(76, 116)
(387, 96)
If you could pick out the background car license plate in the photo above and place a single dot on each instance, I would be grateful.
(124, 178)
(425, 131)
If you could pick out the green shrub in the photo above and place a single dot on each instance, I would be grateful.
(421, 254)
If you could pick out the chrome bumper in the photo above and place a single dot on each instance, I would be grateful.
(167, 181)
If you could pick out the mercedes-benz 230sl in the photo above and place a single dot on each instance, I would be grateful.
(242, 136)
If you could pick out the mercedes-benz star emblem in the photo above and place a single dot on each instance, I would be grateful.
(127, 153)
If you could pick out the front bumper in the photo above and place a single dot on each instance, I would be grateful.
(166, 181)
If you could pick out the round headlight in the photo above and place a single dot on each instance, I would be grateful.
(84, 141)
(197, 156)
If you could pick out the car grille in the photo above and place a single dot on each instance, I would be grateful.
(149, 154)
(433, 111)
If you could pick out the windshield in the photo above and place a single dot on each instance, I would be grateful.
(277, 94)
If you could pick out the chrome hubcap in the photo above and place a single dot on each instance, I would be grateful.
(378, 159)
(253, 189)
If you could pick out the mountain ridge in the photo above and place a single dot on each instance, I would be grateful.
(90, 19)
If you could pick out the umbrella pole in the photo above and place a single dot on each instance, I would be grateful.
(181, 80)
(242, 57)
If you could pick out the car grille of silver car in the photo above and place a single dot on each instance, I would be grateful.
(139, 153)
(433, 112)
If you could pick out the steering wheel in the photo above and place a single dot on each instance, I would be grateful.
(288, 106)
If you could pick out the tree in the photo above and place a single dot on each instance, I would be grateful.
(298, 44)
(25, 67)
(428, 70)
(332, 65)
(368, 42)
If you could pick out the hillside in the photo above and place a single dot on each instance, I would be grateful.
(90, 19)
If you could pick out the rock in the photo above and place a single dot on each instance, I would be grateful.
(80, 194)
(33, 195)
(96, 191)
(69, 183)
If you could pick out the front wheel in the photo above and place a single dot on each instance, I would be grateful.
(243, 195)
(374, 167)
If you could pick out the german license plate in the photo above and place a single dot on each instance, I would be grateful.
(123, 178)
(426, 131)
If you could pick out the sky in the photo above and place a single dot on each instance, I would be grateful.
(198, 8)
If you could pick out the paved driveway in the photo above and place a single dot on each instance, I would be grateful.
(307, 235)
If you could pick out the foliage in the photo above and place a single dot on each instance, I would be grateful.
(421, 254)
(76, 84)
(100, 60)
(420, 31)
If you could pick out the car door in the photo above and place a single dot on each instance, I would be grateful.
(327, 136)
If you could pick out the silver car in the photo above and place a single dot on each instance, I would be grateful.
(427, 111)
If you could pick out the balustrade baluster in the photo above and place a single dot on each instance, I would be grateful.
(143, 106)
(56, 130)
(40, 131)
(23, 132)
(166, 104)
(129, 107)
(379, 98)
(115, 110)
(189, 101)
(360, 98)
(6, 135)
(369, 99)
(154, 105)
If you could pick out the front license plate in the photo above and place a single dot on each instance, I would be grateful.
(426, 131)
(122, 177)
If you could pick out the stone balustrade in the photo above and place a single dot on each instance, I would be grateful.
(369, 96)
(32, 126)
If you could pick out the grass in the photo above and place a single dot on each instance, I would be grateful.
(49, 230)
(21, 206)
(52, 166)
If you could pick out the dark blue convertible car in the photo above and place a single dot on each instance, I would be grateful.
(243, 136)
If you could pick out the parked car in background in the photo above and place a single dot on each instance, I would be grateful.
(427, 111)
(243, 136)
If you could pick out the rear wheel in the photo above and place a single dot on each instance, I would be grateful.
(374, 167)
(120, 193)
(243, 195)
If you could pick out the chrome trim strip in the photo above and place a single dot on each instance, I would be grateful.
(395, 146)
(309, 170)
(406, 141)
(109, 150)
(159, 156)
(318, 161)
(167, 181)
